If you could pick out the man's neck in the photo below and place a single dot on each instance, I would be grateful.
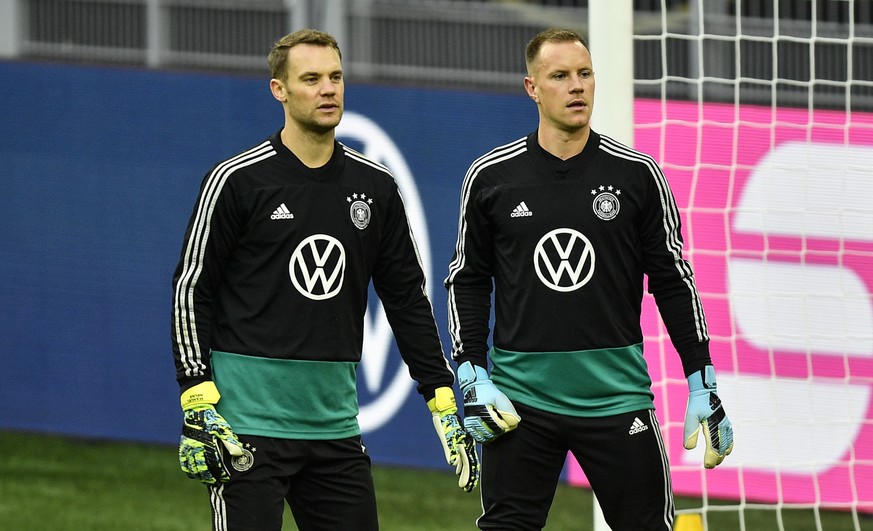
(313, 149)
(563, 144)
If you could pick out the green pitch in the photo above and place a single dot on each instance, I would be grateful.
(50, 483)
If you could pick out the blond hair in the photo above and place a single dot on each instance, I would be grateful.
(278, 58)
(550, 35)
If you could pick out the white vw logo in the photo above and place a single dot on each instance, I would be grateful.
(564, 260)
(317, 267)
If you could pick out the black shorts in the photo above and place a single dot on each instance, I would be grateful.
(327, 484)
(623, 457)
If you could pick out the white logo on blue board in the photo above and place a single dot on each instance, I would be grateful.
(385, 378)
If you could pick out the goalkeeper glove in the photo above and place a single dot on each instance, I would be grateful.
(459, 447)
(705, 409)
(202, 428)
(488, 414)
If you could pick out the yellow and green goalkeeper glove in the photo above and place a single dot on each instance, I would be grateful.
(202, 428)
(459, 447)
(488, 414)
(705, 409)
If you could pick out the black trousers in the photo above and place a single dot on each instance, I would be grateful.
(623, 457)
(327, 484)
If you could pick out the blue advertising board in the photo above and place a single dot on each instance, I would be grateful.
(101, 167)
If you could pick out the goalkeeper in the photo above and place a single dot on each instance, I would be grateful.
(565, 224)
(270, 295)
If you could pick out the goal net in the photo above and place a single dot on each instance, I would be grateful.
(761, 115)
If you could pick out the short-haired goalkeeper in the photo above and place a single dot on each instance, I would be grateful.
(565, 224)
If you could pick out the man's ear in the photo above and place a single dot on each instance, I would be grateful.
(531, 89)
(278, 89)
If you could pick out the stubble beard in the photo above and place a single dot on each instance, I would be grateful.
(325, 125)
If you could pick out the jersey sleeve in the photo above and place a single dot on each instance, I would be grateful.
(670, 276)
(469, 281)
(400, 283)
(209, 237)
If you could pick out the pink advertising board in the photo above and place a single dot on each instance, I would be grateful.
(777, 211)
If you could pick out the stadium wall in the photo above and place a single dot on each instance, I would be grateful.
(101, 168)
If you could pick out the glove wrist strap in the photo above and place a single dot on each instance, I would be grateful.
(443, 402)
(204, 393)
(469, 373)
(702, 379)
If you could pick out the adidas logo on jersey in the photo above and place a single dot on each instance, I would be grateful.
(521, 211)
(637, 427)
(282, 213)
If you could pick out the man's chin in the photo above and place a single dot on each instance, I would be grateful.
(574, 126)
(326, 124)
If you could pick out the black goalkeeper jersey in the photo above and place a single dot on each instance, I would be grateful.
(277, 260)
(567, 245)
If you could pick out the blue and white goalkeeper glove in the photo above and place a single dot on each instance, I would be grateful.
(705, 409)
(202, 429)
(488, 414)
(459, 447)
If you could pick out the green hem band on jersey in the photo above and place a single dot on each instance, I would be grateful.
(583, 383)
(287, 399)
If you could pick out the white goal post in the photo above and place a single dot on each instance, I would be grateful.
(610, 37)
(761, 115)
